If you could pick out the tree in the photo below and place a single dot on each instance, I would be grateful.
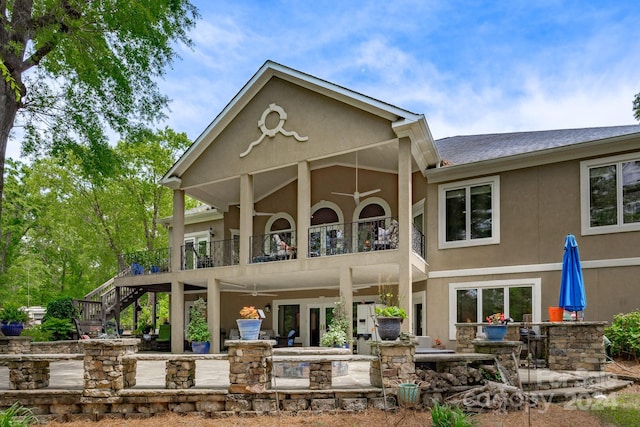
(75, 70)
(68, 225)
(636, 107)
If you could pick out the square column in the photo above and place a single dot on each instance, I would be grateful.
(250, 366)
(405, 224)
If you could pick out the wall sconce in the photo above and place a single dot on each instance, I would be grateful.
(267, 308)
(211, 233)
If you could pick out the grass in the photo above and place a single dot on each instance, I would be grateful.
(622, 409)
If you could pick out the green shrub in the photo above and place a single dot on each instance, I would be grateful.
(62, 308)
(59, 329)
(37, 334)
(17, 416)
(446, 416)
(12, 313)
(624, 334)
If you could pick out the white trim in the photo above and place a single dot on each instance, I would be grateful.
(534, 268)
(585, 196)
(326, 204)
(370, 201)
(279, 215)
(536, 297)
(494, 182)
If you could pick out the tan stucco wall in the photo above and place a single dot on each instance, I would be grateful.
(330, 125)
(539, 206)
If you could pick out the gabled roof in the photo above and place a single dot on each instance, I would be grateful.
(476, 148)
(405, 123)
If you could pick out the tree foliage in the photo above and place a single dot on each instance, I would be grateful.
(74, 71)
(68, 225)
(636, 107)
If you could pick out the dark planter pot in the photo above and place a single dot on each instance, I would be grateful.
(200, 347)
(495, 332)
(12, 329)
(389, 328)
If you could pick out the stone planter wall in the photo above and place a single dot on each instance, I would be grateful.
(56, 347)
(396, 363)
(15, 345)
(249, 365)
(575, 345)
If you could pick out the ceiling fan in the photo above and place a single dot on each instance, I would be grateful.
(255, 293)
(356, 194)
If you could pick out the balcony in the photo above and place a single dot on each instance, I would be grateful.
(278, 246)
(324, 240)
(219, 253)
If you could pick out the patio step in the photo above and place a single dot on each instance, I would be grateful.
(569, 385)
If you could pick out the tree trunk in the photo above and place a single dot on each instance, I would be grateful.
(8, 111)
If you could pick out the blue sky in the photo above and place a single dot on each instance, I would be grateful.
(469, 66)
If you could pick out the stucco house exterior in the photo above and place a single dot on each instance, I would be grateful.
(314, 194)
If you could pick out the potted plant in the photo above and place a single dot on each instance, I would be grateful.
(198, 328)
(249, 323)
(389, 317)
(13, 319)
(337, 333)
(496, 330)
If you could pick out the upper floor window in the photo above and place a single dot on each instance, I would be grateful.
(610, 190)
(469, 213)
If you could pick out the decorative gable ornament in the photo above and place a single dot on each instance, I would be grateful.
(273, 108)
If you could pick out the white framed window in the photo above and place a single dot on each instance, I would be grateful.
(610, 194)
(472, 302)
(469, 213)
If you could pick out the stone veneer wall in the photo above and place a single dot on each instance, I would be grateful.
(15, 345)
(56, 347)
(569, 345)
(575, 345)
(395, 364)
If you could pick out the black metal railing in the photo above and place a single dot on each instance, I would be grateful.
(277, 246)
(145, 262)
(418, 242)
(353, 237)
(219, 253)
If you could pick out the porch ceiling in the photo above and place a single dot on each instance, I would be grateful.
(362, 276)
(226, 193)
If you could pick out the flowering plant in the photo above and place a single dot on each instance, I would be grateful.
(249, 313)
(497, 319)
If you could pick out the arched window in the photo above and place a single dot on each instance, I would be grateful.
(326, 235)
(370, 216)
(279, 228)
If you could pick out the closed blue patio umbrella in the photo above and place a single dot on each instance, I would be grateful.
(572, 295)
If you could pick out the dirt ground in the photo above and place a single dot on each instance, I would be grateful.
(563, 414)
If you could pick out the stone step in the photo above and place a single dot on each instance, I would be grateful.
(542, 379)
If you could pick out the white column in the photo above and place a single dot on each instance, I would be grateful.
(346, 295)
(177, 317)
(246, 217)
(177, 232)
(405, 221)
(304, 209)
(213, 313)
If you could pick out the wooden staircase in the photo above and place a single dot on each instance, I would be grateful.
(107, 301)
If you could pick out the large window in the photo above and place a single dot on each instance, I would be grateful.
(469, 213)
(610, 194)
(473, 302)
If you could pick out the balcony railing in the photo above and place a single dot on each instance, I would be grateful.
(418, 242)
(145, 262)
(210, 254)
(353, 237)
(324, 240)
(276, 246)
